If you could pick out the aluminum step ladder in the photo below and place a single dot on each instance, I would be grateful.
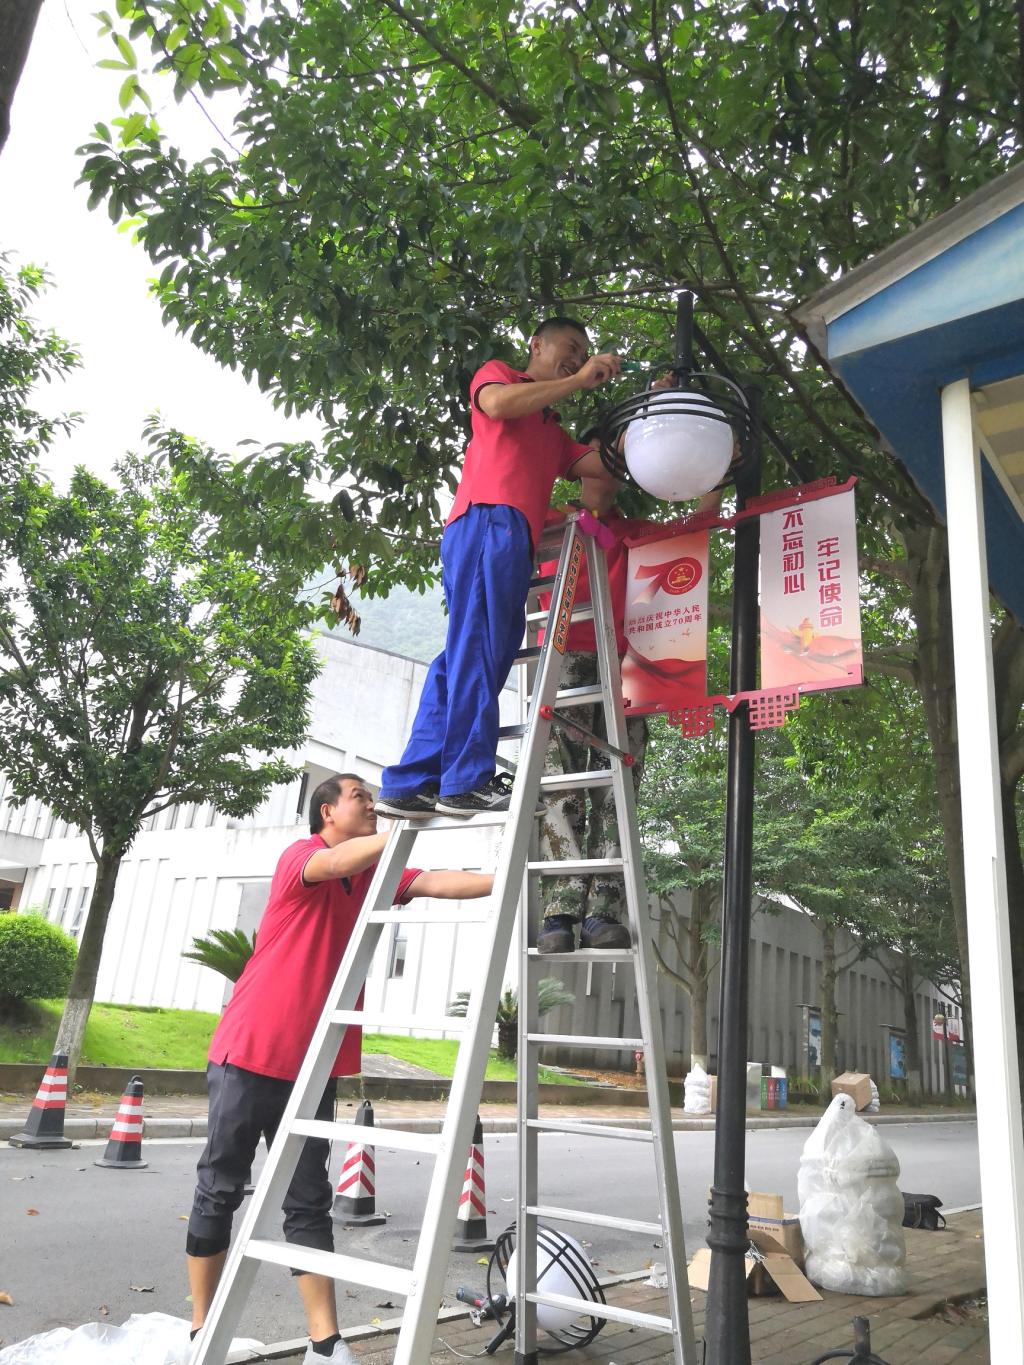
(258, 1239)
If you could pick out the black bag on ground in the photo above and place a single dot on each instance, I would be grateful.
(922, 1211)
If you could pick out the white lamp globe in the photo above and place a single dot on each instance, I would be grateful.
(675, 456)
(562, 1268)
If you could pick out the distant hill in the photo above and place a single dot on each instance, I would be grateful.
(405, 622)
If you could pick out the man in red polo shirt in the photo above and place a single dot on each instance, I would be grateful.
(261, 1040)
(516, 452)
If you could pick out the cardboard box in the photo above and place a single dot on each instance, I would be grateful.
(856, 1084)
(775, 1271)
(771, 1228)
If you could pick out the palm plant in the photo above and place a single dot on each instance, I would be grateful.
(225, 951)
(550, 994)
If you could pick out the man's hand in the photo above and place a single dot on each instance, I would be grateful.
(598, 370)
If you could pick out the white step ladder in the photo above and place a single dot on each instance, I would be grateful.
(423, 1285)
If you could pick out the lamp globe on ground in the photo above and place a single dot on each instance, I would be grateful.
(679, 446)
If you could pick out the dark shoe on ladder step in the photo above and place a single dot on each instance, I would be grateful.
(557, 935)
(603, 933)
(418, 807)
(494, 795)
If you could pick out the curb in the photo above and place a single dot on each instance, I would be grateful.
(78, 1128)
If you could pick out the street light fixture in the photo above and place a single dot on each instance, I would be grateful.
(700, 401)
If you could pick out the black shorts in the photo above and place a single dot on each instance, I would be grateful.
(244, 1107)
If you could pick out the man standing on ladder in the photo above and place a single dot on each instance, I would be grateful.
(517, 450)
(265, 1030)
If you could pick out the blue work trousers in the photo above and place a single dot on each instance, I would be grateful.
(486, 564)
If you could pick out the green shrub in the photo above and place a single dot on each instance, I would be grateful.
(37, 958)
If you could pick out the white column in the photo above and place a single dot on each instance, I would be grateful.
(1000, 1138)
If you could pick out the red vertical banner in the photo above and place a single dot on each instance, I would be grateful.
(666, 623)
(810, 604)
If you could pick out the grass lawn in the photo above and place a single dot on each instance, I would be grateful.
(138, 1036)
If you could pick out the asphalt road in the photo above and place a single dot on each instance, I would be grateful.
(76, 1240)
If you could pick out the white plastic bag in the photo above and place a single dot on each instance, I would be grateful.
(851, 1209)
(144, 1339)
(876, 1101)
(697, 1092)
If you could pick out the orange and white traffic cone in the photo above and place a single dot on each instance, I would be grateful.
(124, 1148)
(44, 1126)
(355, 1200)
(471, 1224)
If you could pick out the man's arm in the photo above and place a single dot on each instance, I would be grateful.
(452, 885)
(345, 859)
(506, 401)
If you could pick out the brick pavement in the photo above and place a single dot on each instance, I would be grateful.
(945, 1267)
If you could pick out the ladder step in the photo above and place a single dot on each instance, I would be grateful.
(528, 654)
(512, 731)
(587, 1308)
(428, 916)
(542, 581)
(454, 1023)
(559, 782)
(398, 1138)
(554, 868)
(582, 613)
(596, 1220)
(577, 1040)
(373, 1274)
(603, 1130)
(577, 696)
(582, 955)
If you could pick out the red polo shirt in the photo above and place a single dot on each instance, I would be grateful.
(581, 635)
(277, 1001)
(513, 462)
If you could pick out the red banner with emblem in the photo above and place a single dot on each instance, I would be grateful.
(666, 623)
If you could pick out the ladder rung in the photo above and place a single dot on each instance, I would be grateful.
(577, 1040)
(397, 1138)
(582, 613)
(585, 955)
(587, 1308)
(542, 581)
(453, 1023)
(603, 1130)
(596, 1220)
(578, 696)
(553, 868)
(511, 731)
(557, 782)
(528, 654)
(374, 1274)
(428, 916)
(487, 817)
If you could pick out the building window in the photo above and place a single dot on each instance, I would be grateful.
(396, 959)
(6, 897)
(300, 804)
(76, 924)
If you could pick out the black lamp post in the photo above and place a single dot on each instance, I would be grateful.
(727, 1330)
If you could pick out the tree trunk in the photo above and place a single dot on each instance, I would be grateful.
(911, 1036)
(928, 560)
(508, 1038)
(17, 24)
(702, 904)
(71, 1033)
(829, 1013)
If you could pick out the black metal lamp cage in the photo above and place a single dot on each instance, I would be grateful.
(571, 1260)
(696, 393)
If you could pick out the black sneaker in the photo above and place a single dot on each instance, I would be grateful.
(418, 807)
(494, 795)
(604, 933)
(557, 935)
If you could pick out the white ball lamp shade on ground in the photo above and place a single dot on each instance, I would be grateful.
(562, 1268)
(676, 454)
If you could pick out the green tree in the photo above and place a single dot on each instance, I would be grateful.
(36, 958)
(408, 184)
(144, 662)
(550, 994)
(223, 950)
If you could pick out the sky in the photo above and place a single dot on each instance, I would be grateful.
(132, 364)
